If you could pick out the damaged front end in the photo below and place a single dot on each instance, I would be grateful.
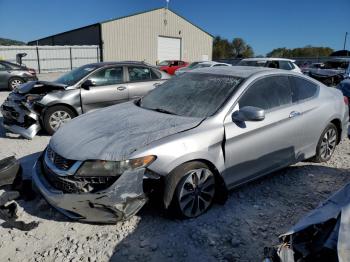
(21, 111)
(99, 199)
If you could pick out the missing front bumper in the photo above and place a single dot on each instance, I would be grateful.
(119, 202)
(20, 119)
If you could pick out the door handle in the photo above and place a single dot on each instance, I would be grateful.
(294, 114)
(121, 88)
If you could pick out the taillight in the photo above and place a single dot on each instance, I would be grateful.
(346, 100)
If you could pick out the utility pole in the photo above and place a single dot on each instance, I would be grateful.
(346, 35)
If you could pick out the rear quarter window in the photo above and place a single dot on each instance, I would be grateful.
(302, 89)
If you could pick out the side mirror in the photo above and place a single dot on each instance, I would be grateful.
(87, 84)
(248, 113)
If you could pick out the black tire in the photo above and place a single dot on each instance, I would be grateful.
(194, 204)
(55, 112)
(14, 82)
(326, 144)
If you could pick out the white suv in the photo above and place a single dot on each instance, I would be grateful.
(281, 63)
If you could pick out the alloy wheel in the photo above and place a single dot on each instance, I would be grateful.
(328, 143)
(58, 118)
(197, 192)
(15, 83)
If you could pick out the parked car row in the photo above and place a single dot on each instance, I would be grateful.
(189, 137)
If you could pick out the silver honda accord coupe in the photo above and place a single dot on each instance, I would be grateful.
(190, 139)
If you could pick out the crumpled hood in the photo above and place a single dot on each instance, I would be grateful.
(115, 132)
(327, 72)
(39, 87)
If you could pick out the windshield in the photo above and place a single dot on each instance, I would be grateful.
(75, 75)
(251, 63)
(193, 94)
(201, 66)
(164, 63)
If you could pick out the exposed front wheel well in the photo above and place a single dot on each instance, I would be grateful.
(173, 178)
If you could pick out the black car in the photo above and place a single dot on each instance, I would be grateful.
(344, 86)
(13, 75)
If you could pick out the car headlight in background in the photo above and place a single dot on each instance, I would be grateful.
(113, 168)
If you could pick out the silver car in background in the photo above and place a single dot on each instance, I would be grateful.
(12, 75)
(197, 65)
(48, 105)
(192, 138)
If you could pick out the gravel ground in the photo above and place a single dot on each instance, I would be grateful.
(252, 218)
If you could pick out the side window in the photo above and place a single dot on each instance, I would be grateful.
(155, 74)
(107, 76)
(175, 63)
(2, 67)
(181, 63)
(268, 93)
(302, 89)
(219, 65)
(285, 65)
(272, 64)
(138, 73)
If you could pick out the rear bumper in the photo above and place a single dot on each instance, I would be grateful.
(118, 202)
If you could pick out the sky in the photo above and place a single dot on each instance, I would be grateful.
(263, 24)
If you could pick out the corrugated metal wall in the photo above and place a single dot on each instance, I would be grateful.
(135, 37)
(52, 58)
(89, 35)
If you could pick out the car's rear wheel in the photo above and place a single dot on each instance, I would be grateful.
(195, 192)
(55, 117)
(326, 144)
(15, 82)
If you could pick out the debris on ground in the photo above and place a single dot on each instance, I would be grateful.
(11, 187)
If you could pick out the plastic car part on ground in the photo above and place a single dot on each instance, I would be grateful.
(11, 177)
(9, 168)
(323, 235)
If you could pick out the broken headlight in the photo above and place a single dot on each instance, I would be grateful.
(113, 168)
(33, 98)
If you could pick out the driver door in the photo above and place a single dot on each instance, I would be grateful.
(108, 88)
(254, 148)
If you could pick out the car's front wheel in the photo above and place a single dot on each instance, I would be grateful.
(55, 117)
(195, 192)
(326, 144)
(15, 82)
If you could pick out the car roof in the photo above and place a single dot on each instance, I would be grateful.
(237, 71)
(102, 64)
(211, 63)
(268, 59)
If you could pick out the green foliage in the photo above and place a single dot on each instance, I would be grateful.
(307, 51)
(223, 48)
(4, 41)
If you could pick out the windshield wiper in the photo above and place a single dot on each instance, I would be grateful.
(161, 110)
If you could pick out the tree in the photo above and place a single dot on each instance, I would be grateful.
(5, 41)
(222, 48)
(307, 51)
